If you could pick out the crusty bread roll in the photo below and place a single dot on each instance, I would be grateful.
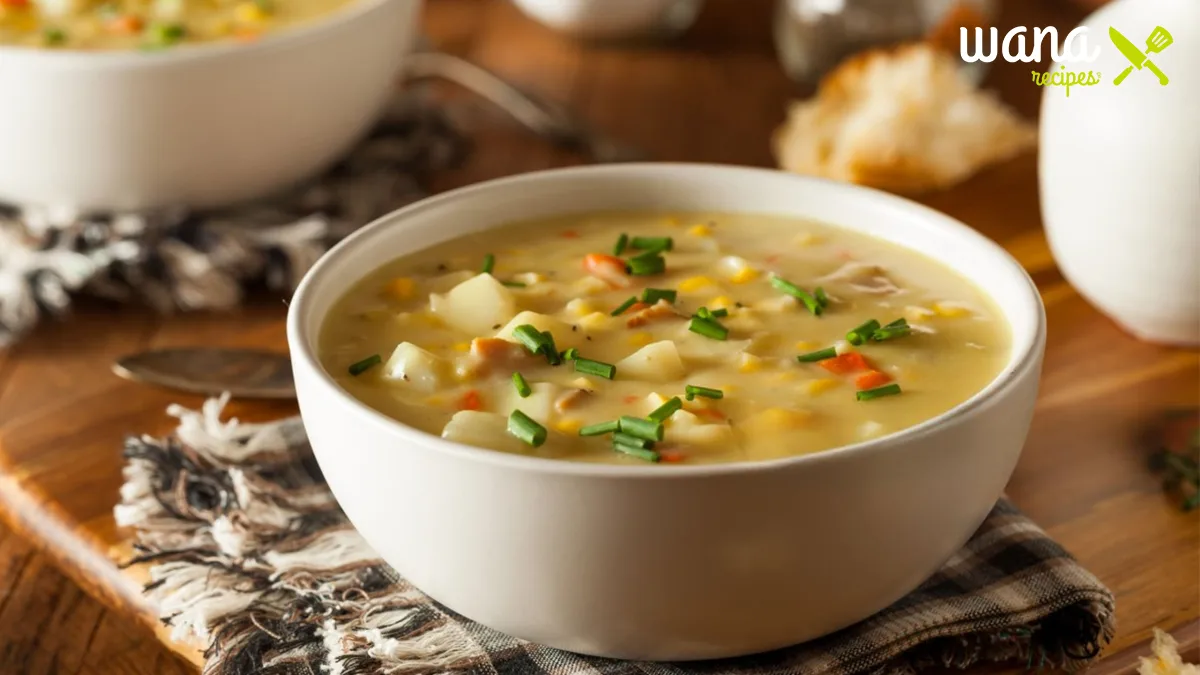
(903, 119)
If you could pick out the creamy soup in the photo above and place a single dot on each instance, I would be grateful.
(148, 24)
(686, 338)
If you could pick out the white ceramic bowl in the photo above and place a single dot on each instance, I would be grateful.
(667, 563)
(201, 125)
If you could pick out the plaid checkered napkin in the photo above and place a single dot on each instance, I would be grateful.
(249, 553)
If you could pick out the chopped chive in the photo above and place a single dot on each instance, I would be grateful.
(886, 390)
(898, 322)
(360, 367)
(653, 243)
(489, 263)
(704, 313)
(708, 328)
(622, 242)
(625, 439)
(719, 313)
(624, 306)
(888, 333)
(54, 36)
(163, 34)
(529, 336)
(523, 388)
(590, 367)
(819, 355)
(664, 411)
(634, 451)
(860, 334)
(600, 429)
(692, 391)
(548, 348)
(646, 265)
(650, 430)
(819, 294)
(570, 354)
(799, 293)
(525, 428)
(513, 284)
(651, 296)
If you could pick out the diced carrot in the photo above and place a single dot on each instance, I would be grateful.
(14, 3)
(607, 268)
(708, 413)
(671, 455)
(126, 24)
(570, 234)
(632, 398)
(872, 379)
(850, 362)
(470, 400)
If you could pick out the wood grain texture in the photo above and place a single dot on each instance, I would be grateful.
(713, 96)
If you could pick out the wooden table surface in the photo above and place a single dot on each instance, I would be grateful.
(714, 96)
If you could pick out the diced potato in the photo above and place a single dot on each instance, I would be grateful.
(699, 348)
(690, 429)
(589, 285)
(656, 362)
(564, 337)
(482, 430)
(870, 429)
(475, 305)
(417, 368)
(539, 404)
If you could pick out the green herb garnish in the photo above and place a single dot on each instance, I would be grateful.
(708, 328)
(164, 34)
(525, 428)
(530, 338)
(622, 242)
(651, 296)
(799, 293)
(570, 354)
(634, 451)
(895, 329)
(692, 391)
(54, 36)
(523, 388)
(639, 427)
(885, 390)
(589, 367)
(819, 355)
(664, 411)
(600, 429)
(656, 244)
(359, 367)
(489, 263)
(625, 439)
(862, 333)
(819, 294)
(624, 306)
(647, 264)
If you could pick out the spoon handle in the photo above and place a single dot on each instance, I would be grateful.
(243, 373)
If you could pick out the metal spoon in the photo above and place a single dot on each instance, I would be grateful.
(244, 373)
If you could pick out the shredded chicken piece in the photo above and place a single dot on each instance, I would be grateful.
(865, 278)
(570, 399)
(658, 310)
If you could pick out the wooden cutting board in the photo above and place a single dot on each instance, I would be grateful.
(713, 97)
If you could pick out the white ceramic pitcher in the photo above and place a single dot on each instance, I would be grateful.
(1120, 173)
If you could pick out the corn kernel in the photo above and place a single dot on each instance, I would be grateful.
(950, 309)
(700, 231)
(805, 345)
(462, 346)
(249, 12)
(580, 307)
(400, 288)
(744, 275)
(640, 339)
(596, 321)
(694, 284)
(749, 363)
(815, 387)
(786, 376)
(721, 302)
(435, 400)
(568, 425)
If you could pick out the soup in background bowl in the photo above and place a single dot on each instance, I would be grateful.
(717, 337)
(628, 558)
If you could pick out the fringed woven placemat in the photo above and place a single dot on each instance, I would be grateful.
(249, 553)
(176, 259)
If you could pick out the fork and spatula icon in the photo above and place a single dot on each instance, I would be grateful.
(1159, 40)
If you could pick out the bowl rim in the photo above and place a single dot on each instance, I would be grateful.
(121, 59)
(1014, 372)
